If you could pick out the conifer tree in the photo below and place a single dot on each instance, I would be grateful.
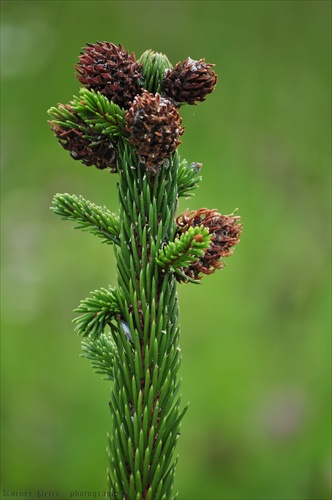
(126, 119)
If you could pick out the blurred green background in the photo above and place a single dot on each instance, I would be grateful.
(255, 336)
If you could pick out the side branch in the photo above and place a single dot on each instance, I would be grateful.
(89, 217)
(188, 248)
(101, 352)
(97, 312)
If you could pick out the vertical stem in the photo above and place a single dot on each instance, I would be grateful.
(144, 402)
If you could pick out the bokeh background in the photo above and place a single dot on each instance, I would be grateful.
(256, 335)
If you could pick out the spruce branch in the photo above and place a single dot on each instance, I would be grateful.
(91, 113)
(127, 119)
(96, 312)
(184, 250)
(188, 178)
(88, 216)
(104, 116)
(101, 352)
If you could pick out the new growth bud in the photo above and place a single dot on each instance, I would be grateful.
(189, 82)
(225, 231)
(154, 128)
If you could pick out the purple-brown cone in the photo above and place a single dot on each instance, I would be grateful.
(154, 128)
(189, 82)
(109, 69)
(225, 230)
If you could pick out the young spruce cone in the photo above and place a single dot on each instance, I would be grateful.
(84, 144)
(154, 127)
(189, 82)
(225, 230)
(109, 69)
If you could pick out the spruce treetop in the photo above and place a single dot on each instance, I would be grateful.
(126, 120)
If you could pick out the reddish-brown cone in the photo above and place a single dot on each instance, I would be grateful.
(225, 231)
(154, 128)
(109, 69)
(87, 146)
(189, 82)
